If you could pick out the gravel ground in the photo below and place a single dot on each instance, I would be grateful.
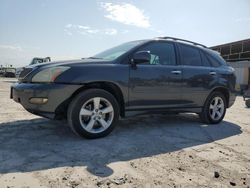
(143, 151)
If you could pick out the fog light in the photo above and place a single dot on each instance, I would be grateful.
(38, 100)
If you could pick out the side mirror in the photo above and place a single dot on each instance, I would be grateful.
(141, 57)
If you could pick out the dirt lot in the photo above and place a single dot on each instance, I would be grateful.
(144, 151)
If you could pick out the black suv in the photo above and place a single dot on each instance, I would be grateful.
(162, 74)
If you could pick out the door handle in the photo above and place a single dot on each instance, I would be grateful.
(212, 73)
(176, 72)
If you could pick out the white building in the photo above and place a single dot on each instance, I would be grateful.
(237, 54)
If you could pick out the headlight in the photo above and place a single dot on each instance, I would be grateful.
(49, 74)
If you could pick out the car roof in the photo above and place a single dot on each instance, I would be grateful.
(181, 41)
(187, 42)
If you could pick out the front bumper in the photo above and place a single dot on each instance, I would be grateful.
(55, 93)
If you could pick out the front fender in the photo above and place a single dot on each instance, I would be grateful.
(117, 74)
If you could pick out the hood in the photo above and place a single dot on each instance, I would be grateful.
(71, 63)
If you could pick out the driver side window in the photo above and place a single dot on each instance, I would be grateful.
(154, 59)
(160, 53)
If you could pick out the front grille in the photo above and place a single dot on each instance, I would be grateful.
(24, 73)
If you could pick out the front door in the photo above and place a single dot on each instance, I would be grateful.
(156, 84)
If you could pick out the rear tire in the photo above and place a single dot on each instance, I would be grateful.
(214, 108)
(93, 113)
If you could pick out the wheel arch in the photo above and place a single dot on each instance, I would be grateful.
(222, 90)
(110, 87)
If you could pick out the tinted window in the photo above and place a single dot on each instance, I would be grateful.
(161, 53)
(205, 60)
(216, 57)
(213, 61)
(190, 56)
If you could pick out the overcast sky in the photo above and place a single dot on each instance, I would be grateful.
(69, 29)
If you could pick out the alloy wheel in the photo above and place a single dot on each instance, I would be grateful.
(216, 108)
(96, 115)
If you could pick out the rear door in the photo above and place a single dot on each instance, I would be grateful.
(198, 76)
(156, 84)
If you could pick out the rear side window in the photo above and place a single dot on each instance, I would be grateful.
(161, 53)
(190, 56)
(214, 62)
(205, 60)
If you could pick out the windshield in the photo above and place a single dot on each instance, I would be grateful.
(113, 53)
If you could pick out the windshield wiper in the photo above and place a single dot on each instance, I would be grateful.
(91, 58)
(94, 58)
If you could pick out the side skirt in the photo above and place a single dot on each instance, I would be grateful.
(134, 112)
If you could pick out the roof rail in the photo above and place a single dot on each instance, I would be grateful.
(177, 39)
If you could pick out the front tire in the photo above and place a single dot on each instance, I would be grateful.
(93, 113)
(214, 108)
